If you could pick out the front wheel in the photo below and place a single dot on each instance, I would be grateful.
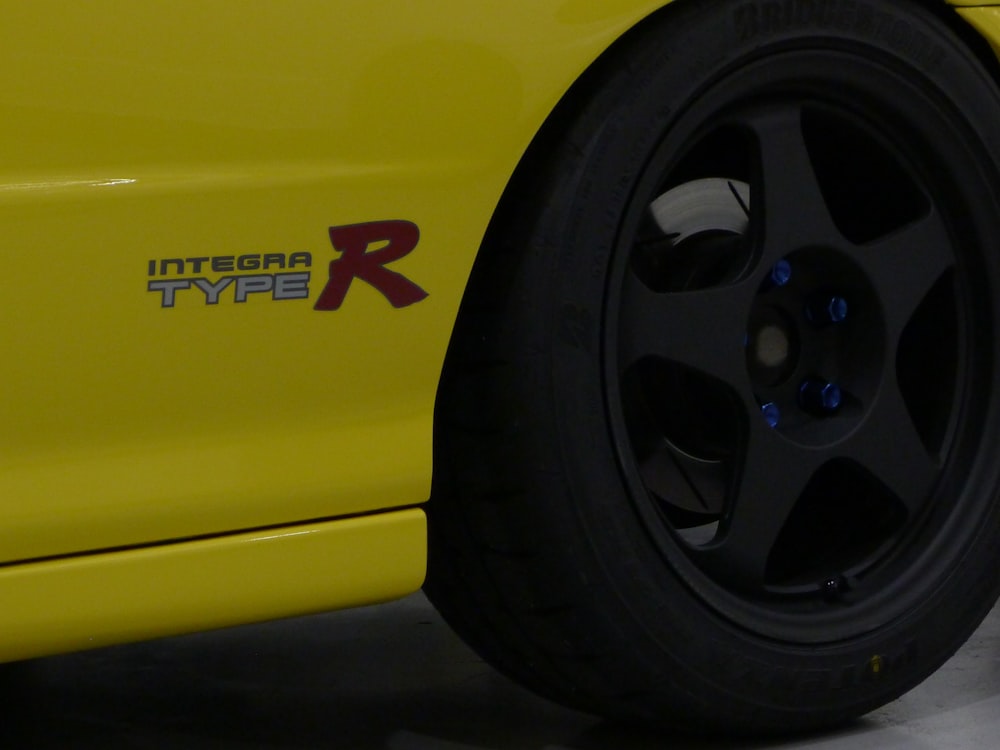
(716, 440)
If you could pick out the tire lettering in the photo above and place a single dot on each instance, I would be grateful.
(782, 16)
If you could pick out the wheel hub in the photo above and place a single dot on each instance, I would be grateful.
(814, 345)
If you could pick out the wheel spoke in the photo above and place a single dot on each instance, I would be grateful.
(794, 210)
(775, 472)
(888, 445)
(684, 481)
(905, 265)
(703, 330)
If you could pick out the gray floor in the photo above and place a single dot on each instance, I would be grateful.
(394, 677)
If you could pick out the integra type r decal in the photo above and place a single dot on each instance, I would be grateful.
(286, 276)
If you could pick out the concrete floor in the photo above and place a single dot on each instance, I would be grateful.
(394, 677)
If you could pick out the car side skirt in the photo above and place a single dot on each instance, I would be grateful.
(95, 600)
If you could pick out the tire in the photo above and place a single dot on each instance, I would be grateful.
(716, 440)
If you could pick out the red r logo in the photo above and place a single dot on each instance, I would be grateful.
(352, 242)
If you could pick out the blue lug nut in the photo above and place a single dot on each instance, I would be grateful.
(831, 309)
(771, 413)
(820, 396)
(781, 273)
(836, 310)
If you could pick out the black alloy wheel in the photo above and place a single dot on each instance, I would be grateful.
(717, 436)
(801, 431)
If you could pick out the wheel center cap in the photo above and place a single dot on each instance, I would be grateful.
(771, 346)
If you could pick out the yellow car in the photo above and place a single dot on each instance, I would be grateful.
(673, 328)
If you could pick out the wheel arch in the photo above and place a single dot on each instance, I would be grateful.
(531, 170)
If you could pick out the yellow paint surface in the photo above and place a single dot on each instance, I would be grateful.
(133, 133)
(96, 600)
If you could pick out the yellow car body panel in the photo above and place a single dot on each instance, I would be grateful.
(171, 132)
(984, 19)
(95, 600)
